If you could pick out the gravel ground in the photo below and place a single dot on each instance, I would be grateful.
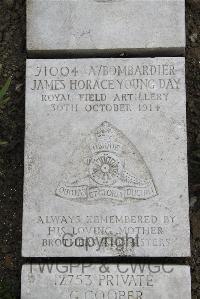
(12, 65)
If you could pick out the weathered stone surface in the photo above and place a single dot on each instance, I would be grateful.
(106, 158)
(92, 27)
(116, 281)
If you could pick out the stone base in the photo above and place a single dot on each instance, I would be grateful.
(86, 28)
(109, 281)
(106, 158)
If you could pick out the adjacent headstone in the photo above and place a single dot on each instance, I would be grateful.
(108, 281)
(106, 158)
(92, 27)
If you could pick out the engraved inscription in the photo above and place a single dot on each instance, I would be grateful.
(106, 281)
(107, 166)
(106, 158)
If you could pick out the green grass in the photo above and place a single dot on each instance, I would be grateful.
(5, 292)
(3, 91)
(3, 101)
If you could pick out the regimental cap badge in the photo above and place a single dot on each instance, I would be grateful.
(107, 166)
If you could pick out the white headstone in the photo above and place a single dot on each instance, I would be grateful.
(110, 281)
(106, 158)
(107, 26)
